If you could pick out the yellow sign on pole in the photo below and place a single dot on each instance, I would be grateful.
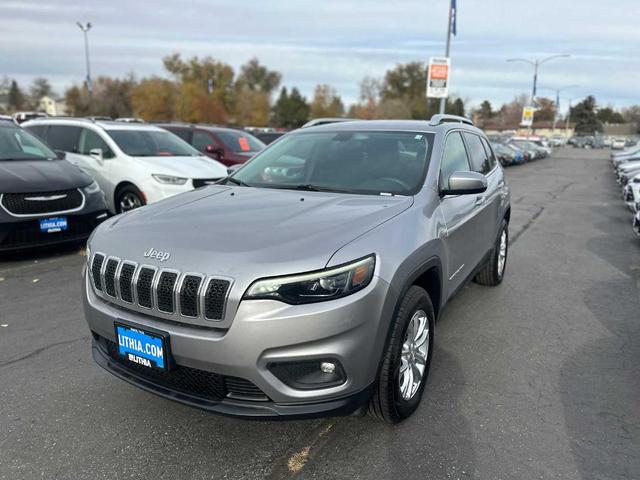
(527, 116)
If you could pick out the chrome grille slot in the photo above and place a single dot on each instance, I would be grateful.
(110, 276)
(214, 298)
(96, 268)
(125, 282)
(144, 282)
(165, 291)
(189, 298)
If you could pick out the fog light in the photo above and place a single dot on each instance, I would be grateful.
(309, 374)
(327, 367)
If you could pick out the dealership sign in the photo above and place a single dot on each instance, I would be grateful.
(438, 79)
(527, 116)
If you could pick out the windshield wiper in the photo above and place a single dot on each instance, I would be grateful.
(236, 182)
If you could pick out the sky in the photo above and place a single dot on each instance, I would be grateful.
(337, 42)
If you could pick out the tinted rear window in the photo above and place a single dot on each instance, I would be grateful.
(63, 137)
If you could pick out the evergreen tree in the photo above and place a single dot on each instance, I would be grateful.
(290, 110)
(16, 98)
(584, 115)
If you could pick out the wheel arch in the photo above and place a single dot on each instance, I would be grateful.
(120, 186)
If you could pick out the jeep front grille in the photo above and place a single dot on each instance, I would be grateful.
(170, 293)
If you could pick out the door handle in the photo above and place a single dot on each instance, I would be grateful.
(479, 200)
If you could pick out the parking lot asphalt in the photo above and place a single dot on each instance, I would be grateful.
(538, 378)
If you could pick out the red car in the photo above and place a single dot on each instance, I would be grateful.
(227, 145)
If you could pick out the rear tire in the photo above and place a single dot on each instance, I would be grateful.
(398, 393)
(493, 270)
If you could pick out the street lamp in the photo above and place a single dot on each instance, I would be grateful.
(536, 63)
(85, 29)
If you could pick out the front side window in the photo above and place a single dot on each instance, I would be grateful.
(17, 144)
(454, 158)
(90, 140)
(348, 161)
(64, 137)
(479, 159)
(151, 143)
(201, 140)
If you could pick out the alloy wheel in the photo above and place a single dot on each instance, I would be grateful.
(129, 201)
(413, 358)
(502, 253)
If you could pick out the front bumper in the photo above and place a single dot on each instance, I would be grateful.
(351, 330)
(238, 408)
(24, 233)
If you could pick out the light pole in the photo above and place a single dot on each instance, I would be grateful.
(536, 63)
(558, 90)
(452, 14)
(85, 29)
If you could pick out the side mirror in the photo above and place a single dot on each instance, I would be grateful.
(97, 154)
(211, 149)
(61, 154)
(465, 183)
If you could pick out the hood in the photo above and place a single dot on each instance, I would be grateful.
(246, 233)
(631, 165)
(186, 167)
(28, 176)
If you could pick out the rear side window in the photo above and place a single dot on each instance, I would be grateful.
(479, 159)
(454, 158)
(490, 154)
(90, 140)
(63, 137)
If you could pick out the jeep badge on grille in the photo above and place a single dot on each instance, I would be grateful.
(157, 254)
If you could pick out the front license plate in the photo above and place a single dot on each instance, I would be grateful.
(141, 347)
(52, 225)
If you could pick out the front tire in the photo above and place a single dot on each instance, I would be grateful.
(492, 272)
(407, 359)
(128, 198)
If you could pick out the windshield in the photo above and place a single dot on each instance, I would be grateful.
(351, 162)
(18, 144)
(151, 143)
(241, 142)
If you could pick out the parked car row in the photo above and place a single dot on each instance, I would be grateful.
(517, 150)
(626, 165)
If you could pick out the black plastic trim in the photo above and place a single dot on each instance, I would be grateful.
(349, 405)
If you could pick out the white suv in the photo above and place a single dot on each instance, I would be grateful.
(134, 164)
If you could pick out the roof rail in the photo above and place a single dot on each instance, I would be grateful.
(443, 118)
(65, 117)
(323, 121)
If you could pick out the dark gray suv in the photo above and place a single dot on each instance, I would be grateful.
(309, 281)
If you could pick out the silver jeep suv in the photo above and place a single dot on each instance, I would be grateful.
(309, 281)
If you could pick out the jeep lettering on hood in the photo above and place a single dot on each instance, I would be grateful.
(157, 254)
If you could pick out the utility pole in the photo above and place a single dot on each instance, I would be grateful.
(566, 127)
(443, 101)
(85, 30)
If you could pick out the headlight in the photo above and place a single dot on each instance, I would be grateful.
(636, 180)
(169, 180)
(317, 286)
(92, 188)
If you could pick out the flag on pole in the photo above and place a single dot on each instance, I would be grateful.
(454, 15)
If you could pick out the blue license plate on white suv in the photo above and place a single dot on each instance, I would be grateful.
(52, 225)
(142, 347)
